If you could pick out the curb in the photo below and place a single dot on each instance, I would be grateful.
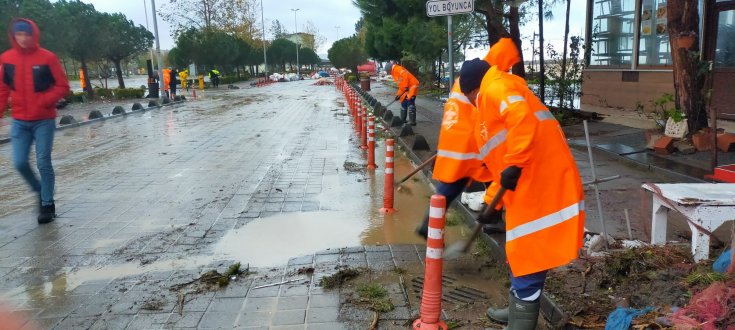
(549, 309)
(111, 116)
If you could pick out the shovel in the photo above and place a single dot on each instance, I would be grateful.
(394, 101)
(457, 249)
(416, 170)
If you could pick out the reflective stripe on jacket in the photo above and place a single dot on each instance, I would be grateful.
(457, 153)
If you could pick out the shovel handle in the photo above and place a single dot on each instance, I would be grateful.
(417, 169)
(488, 209)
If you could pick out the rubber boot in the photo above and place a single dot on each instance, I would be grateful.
(403, 115)
(47, 214)
(498, 315)
(423, 229)
(412, 115)
(522, 315)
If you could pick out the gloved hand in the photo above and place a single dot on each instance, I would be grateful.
(489, 218)
(398, 97)
(509, 177)
(405, 90)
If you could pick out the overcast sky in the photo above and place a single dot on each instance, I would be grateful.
(327, 15)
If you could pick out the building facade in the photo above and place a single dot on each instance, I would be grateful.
(629, 63)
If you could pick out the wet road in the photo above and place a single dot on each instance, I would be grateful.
(252, 175)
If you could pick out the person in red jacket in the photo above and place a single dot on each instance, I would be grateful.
(33, 79)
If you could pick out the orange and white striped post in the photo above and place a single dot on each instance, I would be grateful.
(358, 118)
(388, 185)
(431, 297)
(371, 143)
(363, 127)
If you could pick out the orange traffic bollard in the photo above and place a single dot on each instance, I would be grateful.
(358, 119)
(194, 93)
(371, 143)
(363, 128)
(431, 296)
(388, 186)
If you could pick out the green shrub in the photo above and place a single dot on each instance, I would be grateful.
(350, 77)
(129, 93)
(103, 93)
(73, 97)
(233, 79)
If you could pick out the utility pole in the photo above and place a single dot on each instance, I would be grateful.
(296, 29)
(145, 8)
(337, 27)
(262, 21)
(158, 48)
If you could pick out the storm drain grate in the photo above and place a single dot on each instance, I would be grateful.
(451, 291)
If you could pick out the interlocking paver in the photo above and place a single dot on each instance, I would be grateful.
(322, 314)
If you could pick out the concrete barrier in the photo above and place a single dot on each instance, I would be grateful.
(419, 143)
(153, 103)
(166, 101)
(67, 120)
(95, 114)
(137, 106)
(177, 98)
(396, 121)
(406, 130)
(118, 110)
(388, 116)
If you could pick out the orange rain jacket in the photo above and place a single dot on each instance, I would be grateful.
(166, 78)
(545, 214)
(457, 153)
(404, 79)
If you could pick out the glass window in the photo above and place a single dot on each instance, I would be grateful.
(612, 32)
(654, 44)
(725, 46)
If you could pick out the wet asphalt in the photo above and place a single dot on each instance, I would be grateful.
(152, 200)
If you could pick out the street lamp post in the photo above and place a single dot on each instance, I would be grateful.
(337, 27)
(158, 48)
(265, 58)
(296, 29)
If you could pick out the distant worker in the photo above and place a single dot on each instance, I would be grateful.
(458, 160)
(524, 148)
(184, 77)
(166, 81)
(201, 82)
(408, 88)
(214, 77)
(174, 82)
(82, 80)
(34, 79)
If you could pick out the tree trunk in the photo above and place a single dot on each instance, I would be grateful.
(683, 23)
(118, 72)
(519, 69)
(90, 90)
(542, 72)
(563, 82)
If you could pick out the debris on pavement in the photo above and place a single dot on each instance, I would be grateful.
(651, 276)
(323, 82)
(339, 278)
(712, 308)
(353, 167)
(473, 200)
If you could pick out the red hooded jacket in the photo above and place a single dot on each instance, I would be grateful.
(33, 79)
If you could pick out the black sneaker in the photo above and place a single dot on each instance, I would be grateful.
(47, 214)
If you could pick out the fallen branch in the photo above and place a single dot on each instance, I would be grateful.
(374, 324)
(274, 284)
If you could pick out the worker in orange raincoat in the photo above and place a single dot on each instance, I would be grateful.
(166, 80)
(526, 151)
(458, 159)
(82, 80)
(408, 88)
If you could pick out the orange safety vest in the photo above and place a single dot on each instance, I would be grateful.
(166, 78)
(545, 214)
(457, 154)
(404, 79)
(82, 80)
